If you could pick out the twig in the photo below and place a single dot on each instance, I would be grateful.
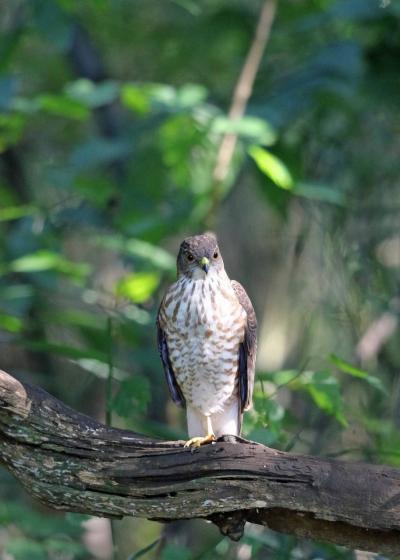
(241, 95)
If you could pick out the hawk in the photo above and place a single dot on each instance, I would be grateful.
(207, 339)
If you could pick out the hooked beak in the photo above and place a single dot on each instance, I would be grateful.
(205, 264)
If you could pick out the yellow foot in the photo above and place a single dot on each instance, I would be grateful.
(198, 441)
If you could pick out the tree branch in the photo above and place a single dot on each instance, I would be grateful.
(71, 462)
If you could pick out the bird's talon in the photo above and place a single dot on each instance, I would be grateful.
(196, 442)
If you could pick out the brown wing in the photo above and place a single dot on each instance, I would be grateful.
(247, 350)
(173, 385)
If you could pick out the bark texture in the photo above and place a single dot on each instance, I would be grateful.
(71, 462)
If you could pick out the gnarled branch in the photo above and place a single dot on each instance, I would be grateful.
(71, 462)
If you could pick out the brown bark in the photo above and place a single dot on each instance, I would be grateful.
(71, 462)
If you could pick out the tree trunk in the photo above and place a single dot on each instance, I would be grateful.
(71, 462)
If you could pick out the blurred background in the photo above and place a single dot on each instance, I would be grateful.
(112, 114)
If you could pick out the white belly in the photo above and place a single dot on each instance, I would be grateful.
(204, 328)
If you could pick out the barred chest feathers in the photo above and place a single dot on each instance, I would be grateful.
(205, 325)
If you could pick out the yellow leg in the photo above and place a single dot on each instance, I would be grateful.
(201, 440)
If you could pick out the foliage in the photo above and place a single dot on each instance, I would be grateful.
(111, 116)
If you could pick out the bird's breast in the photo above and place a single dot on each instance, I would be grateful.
(204, 325)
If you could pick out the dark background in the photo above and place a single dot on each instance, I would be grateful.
(111, 116)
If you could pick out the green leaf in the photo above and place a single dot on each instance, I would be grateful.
(135, 98)
(281, 377)
(191, 95)
(272, 166)
(10, 323)
(155, 255)
(48, 260)
(152, 254)
(252, 128)
(324, 390)
(25, 105)
(92, 95)
(354, 371)
(15, 212)
(145, 97)
(144, 550)
(35, 262)
(138, 287)
(11, 128)
(63, 106)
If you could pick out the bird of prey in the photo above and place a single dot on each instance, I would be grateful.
(207, 339)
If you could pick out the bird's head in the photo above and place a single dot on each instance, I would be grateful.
(199, 256)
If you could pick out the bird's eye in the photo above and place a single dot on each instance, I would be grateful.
(215, 255)
(190, 257)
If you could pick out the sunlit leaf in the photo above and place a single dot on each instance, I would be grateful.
(142, 98)
(253, 128)
(191, 95)
(47, 260)
(35, 262)
(153, 254)
(63, 106)
(272, 166)
(138, 287)
(10, 323)
(16, 212)
(281, 377)
(135, 98)
(179, 135)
